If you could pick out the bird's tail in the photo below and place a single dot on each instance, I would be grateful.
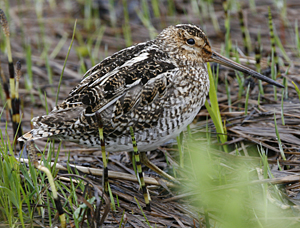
(42, 130)
(27, 136)
(31, 135)
(58, 123)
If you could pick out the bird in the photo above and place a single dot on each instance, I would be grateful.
(155, 87)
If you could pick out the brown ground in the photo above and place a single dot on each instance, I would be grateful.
(258, 127)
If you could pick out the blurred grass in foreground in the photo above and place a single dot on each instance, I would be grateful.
(221, 187)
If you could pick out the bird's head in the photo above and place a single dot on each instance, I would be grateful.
(188, 45)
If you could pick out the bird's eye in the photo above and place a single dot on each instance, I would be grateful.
(190, 41)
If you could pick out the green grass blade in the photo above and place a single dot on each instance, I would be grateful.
(282, 114)
(142, 211)
(278, 139)
(62, 72)
(297, 89)
(246, 100)
(213, 110)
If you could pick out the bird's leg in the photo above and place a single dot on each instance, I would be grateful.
(152, 166)
(139, 170)
(102, 141)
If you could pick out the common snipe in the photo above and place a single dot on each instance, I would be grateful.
(157, 87)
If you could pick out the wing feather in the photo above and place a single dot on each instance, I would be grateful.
(131, 78)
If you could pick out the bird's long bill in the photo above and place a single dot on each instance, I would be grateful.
(215, 57)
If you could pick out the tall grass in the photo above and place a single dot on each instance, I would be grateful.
(61, 75)
(214, 110)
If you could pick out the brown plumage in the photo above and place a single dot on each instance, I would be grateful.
(157, 87)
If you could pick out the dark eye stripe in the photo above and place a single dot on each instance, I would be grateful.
(190, 41)
(207, 51)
